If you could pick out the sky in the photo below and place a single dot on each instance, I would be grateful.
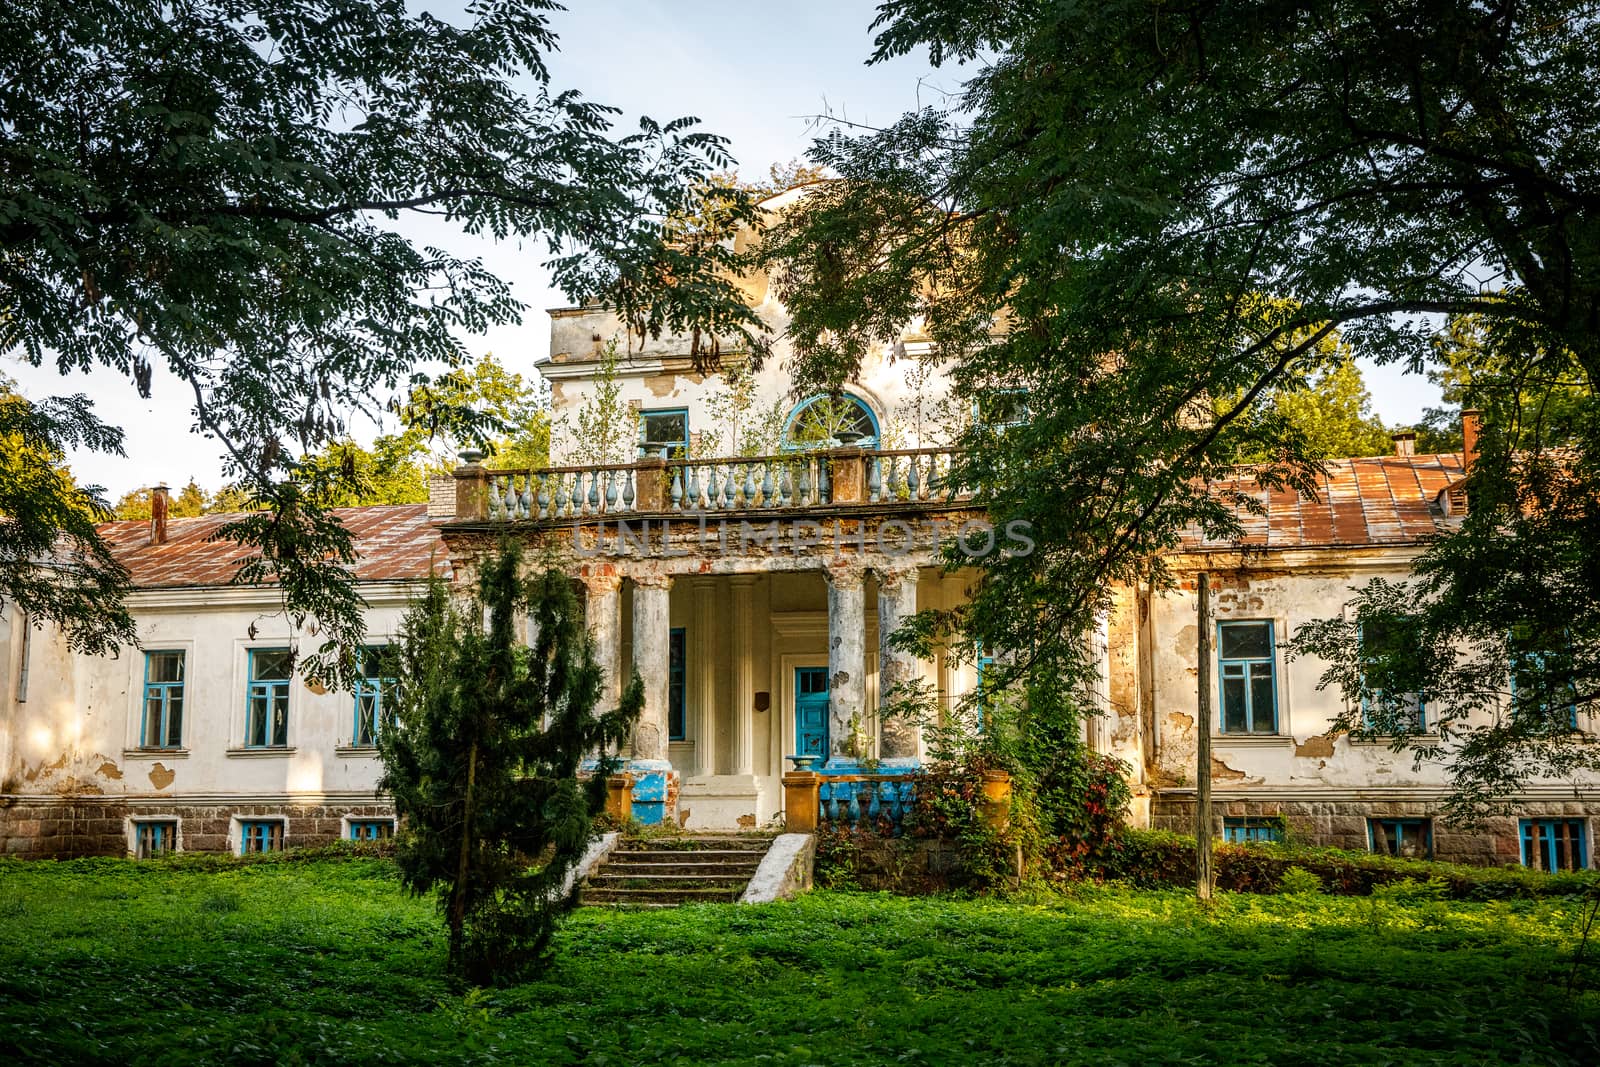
(758, 74)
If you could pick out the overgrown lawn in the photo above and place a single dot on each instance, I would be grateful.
(328, 962)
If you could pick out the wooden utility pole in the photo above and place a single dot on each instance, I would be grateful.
(1202, 773)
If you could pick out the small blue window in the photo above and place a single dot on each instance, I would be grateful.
(162, 726)
(260, 835)
(374, 695)
(1381, 710)
(1554, 844)
(154, 838)
(1252, 828)
(677, 695)
(267, 703)
(371, 829)
(1248, 677)
(1538, 690)
(1412, 838)
(665, 429)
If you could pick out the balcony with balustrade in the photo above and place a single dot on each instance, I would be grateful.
(789, 485)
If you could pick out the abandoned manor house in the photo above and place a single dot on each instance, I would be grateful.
(748, 552)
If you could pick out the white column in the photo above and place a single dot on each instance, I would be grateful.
(847, 658)
(603, 614)
(744, 673)
(703, 694)
(897, 669)
(651, 655)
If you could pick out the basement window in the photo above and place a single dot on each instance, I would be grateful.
(371, 829)
(260, 835)
(1410, 838)
(1554, 844)
(151, 839)
(1246, 828)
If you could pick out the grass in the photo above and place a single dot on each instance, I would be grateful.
(327, 962)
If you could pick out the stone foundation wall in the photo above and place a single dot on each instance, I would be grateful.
(65, 828)
(902, 865)
(1343, 823)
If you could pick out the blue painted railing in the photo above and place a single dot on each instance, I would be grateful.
(866, 803)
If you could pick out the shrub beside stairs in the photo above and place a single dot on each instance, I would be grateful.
(663, 872)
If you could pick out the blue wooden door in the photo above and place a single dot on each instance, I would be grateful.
(811, 711)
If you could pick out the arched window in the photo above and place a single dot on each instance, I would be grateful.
(825, 421)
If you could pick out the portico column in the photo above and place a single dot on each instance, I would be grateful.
(897, 669)
(744, 673)
(655, 789)
(603, 614)
(704, 693)
(652, 630)
(847, 660)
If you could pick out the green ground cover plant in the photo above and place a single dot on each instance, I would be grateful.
(328, 961)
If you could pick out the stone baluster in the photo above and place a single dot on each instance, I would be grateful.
(677, 488)
(594, 492)
(730, 487)
(692, 489)
(611, 490)
(627, 489)
(713, 494)
(875, 479)
(543, 498)
(766, 484)
(823, 494)
(496, 508)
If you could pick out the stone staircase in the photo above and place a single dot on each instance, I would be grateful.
(664, 872)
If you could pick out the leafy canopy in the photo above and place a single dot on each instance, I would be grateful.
(1133, 209)
(213, 185)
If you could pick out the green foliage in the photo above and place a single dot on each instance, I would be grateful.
(112, 960)
(1131, 210)
(482, 760)
(1158, 859)
(213, 186)
(53, 565)
(1320, 413)
(605, 428)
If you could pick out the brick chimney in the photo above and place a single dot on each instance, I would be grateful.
(1405, 443)
(1471, 425)
(158, 515)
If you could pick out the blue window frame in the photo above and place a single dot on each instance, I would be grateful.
(153, 838)
(1554, 844)
(1381, 710)
(985, 667)
(260, 835)
(162, 724)
(371, 829)
(1532, 689)
(1401, 837)
(1242, 828)
(667, 427)
(374, 695)
(267, 701)
(1247, 677)
(1001, 408)
(677, 695)
(821, 421)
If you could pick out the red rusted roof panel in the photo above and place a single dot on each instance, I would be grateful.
(394, 542)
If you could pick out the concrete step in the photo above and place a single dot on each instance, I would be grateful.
(609, 880)
(678, 855)
(697, 842)
(691, 869)
(658, 897)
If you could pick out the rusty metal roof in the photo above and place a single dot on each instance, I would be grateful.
(1374, 500)
(393, 542)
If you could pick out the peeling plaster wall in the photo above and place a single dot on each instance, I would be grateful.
(78, 733)
(1306, 755)
(659, 375)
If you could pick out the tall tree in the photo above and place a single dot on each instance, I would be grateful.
(212, 185)
(1134, 207)
(482, 760)
(1321, 412)
(53, 565)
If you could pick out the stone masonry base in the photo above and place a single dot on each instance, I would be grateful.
(1343, 823)
(61, 828)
